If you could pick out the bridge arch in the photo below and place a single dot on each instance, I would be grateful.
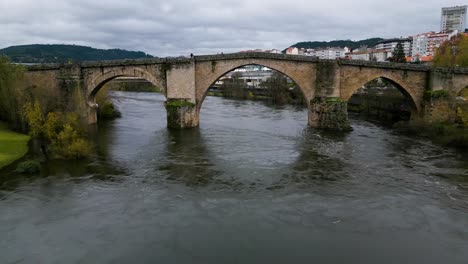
(98, 82)
(348, 91)
(209, 72)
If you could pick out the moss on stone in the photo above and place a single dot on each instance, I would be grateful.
(438, 94)
(213, 66)
(330, 114)
(335, 100)
(179, 103)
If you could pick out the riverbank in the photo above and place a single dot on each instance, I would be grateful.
(13, 145)
(445, 134)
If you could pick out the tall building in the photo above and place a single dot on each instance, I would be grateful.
(453, 18)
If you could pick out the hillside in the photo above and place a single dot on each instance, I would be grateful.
(337, 43)
(39, 53)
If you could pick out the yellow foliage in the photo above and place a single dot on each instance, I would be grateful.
(463, 116)
(63, 132)
(70, 145)
(35, 119)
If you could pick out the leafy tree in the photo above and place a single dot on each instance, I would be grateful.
(453, 52)
(10, 96)
(60, 135)
(278, 89)
(398, 54)
(234, 87)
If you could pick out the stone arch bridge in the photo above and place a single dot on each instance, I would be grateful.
(326, 84)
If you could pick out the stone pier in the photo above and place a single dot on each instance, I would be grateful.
(181, 113)
(329, 113)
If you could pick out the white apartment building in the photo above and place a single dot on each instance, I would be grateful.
(360, 55)
(390, 44)
(380, 54)
(453, 18)
(420, 44)
(425, 44)
(435, 40)
(328, 53)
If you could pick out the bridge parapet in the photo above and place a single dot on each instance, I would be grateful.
(255, 55)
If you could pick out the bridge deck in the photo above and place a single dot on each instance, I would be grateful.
(246, 55)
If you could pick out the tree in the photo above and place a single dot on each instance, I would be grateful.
(234, 86)
(453, 52)
(277, 87)
(398, 54)
(10, 96)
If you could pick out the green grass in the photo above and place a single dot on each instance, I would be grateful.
(12, 145)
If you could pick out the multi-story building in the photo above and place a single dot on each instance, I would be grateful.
(426, 44)
(435, 40)
(360, 55)
(328, 53)
(380, 54)
(453, 18)
(420, 43)
(390, 44)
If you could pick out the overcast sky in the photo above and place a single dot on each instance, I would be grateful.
(171, 28)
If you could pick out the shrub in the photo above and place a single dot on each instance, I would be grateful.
(60, 135)
(463, 116)
(108, 111)
(28, 167)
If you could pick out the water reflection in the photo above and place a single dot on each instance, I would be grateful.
(188, 160)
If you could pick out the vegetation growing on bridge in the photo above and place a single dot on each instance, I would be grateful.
(179, 103)
(438, 94)
(106, 107)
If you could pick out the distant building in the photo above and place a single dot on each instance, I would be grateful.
(435, 40)
(368, 54)
(426, 44)
(328, 53)
(420, 45)
(453, 18)
(292, 51)
(380, 54)
(275, 51)
(360, 55)
(390, 44)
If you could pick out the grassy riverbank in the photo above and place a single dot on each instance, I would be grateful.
(12, 145)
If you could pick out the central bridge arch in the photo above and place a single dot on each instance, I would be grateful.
(208, 72)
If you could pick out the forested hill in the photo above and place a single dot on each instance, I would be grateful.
(337, 43)
(39, 53)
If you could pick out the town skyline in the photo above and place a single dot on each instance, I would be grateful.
(182, 27)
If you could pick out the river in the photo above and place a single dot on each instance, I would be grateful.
(253, 184)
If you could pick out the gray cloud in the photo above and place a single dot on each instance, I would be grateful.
(164, 28)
